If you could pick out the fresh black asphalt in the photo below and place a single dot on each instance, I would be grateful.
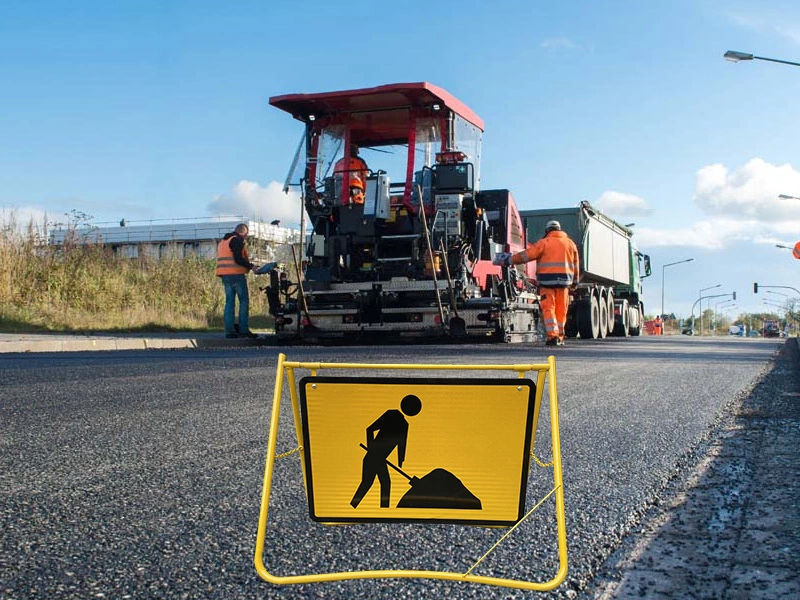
(138, 474)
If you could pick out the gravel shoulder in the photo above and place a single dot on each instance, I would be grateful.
(729, 527)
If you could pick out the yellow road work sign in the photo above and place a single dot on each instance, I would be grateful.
(417, 450)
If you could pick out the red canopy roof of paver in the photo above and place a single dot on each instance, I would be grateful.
(378, 102)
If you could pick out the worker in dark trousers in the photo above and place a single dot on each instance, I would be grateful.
(390, 431)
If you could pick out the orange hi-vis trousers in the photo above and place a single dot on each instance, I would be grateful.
(555, 302)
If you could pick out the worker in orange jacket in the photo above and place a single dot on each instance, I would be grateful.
(557, 270)
(658, 326)
(356, 170)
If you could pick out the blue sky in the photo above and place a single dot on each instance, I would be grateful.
(150, 110)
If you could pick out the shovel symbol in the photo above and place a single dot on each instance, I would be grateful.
(411, 480)
(437, 489)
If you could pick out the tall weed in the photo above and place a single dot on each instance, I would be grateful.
(84, 287)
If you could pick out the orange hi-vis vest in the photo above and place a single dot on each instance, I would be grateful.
(557, 262)
(225, 263)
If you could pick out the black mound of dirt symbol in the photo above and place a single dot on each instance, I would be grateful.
(439, 489)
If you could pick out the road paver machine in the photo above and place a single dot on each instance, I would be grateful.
(402, 244)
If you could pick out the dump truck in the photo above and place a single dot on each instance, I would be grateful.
(404, 246)
(608, 299)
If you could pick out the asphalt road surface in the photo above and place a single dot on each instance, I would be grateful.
(139, 474)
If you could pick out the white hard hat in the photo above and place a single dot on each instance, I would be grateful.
(550, 225)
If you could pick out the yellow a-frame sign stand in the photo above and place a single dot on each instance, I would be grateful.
(507, 410)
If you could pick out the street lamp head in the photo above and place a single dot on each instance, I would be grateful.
(734, 56)
(787, 197)
(677, 262)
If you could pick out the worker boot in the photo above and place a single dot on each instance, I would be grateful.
(551, 342)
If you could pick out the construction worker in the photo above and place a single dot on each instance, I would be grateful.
(232, 267)
(390, 431)
(557, 270)
(356, 169)
(658, 326)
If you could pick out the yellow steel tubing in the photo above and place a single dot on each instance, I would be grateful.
(537, 406)
(400, 573)
(407, 367)
(404, 574)
(557, 473)
(298, 429)
(267, 487)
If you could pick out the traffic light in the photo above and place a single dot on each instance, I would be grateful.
(734, 294)
(755, 288)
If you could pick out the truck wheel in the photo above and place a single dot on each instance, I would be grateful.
(636, 331)
(610, 312)
(589, 318)
(571, 326)
(603, 306)
(621, 321)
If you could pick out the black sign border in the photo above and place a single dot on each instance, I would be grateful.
(532, 407)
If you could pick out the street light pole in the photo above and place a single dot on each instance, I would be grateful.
(778, 287)
(664, 268)
(701, 303)
(716, 305)
(778, 294)
(735, 57)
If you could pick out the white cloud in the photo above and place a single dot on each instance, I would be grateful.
(711, 233)
(251, 200)
(23, 219)
(559, 43)
(619, 205)
(750, 192)
(719, 233)
(747, 21)
(792, 32)
(740, 205)
(768, 23)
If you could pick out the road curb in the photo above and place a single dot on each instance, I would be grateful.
(45, 343)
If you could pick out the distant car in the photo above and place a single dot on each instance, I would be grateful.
(734, 330)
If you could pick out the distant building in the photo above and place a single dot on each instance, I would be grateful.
(177, 238)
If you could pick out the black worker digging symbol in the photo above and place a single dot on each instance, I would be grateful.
(437, 489)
